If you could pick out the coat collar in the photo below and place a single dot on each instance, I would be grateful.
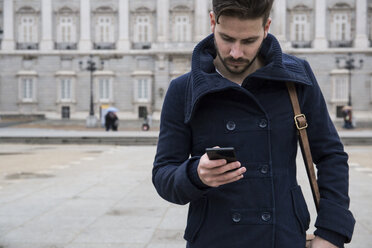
(278, 67)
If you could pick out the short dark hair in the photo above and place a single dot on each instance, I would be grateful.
(243, 9)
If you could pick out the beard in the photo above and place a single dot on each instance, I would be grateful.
(236, 66)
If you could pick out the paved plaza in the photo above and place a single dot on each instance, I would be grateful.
(90, 196)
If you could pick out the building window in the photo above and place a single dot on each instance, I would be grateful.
(342, 24)
(341, 27)
(182, 28)
(142, 29)
(105, 89)
(66, 89)
(340, 88)
(369, 25)
(299, 30)
(27, 89)
(27, 24)
(27, 30)
(105, 30)
(66, 29)
(143, 89)
(300, 26)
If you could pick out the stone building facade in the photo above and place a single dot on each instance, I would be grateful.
(139, 46)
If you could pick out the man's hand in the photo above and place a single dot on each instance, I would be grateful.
(215, 172)
(318, 242)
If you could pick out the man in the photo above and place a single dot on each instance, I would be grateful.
(236, 96)
(111, 121)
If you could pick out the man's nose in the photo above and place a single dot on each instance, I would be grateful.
(236, 51)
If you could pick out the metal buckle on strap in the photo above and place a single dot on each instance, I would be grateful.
(297, 122)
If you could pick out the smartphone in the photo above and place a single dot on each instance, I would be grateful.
(227, 153)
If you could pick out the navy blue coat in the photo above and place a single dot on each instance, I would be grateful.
(266, 208)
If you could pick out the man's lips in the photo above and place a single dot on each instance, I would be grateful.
(237, 63)
(234, 63)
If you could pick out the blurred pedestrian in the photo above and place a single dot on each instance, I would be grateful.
(348, 118)
(111, 121)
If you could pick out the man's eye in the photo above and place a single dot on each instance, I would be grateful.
(227, 39)
(248, 41)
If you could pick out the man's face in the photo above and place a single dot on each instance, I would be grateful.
(238, 41)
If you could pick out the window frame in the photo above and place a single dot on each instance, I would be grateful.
(341, 26)
(142, 31)
(108, 89)
(28, 33)
(300, 34)
(105, 31)
(61, 37)
(143, 88)
(369, 24)
(29, 38)
(182, 30)
(23, 95)
(302, 37)
(61, 90)
(338, 75)
(341, 31)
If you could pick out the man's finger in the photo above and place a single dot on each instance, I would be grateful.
(225, 168)
(211, 164)
(234, 179)
(227, 177)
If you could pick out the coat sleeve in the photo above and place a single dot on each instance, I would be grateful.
(334, 222)
(172, 166)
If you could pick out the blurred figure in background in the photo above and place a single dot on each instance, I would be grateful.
(111, 121)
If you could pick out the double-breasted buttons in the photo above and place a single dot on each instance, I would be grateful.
(231, 126)
(262, 123)
(266, 216)
(264, 169)
(236, 217)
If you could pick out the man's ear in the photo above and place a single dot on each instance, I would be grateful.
(267, 27)
(212, 18)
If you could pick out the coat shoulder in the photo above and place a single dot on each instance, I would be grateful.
(181, 81)
(177, 94)
(298, 67)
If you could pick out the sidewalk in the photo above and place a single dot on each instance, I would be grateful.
(97, 200)
(59, 133)
(104, 198)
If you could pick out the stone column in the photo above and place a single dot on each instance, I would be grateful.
(280, 22)
(162, 9)
(201, 19)
(85, 43)
(46, 20)
(320, 41)
(123, 41)
(361, 39)
(8, 21)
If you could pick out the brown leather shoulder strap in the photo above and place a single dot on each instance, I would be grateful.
(301, 124)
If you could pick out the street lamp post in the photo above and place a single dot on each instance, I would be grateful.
(348, 64)
(91, 67)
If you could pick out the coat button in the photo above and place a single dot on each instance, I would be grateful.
(230, 126)
(264, 169)
(236, 217)
(266, 217)
(263, 123)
